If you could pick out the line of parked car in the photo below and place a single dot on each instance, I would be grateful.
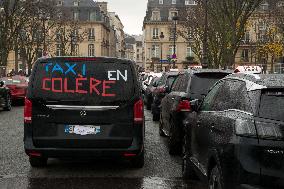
(229, 128)
(12, 89)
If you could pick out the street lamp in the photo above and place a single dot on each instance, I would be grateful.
(161, 60)
(175, 19)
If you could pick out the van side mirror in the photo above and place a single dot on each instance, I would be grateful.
(195, 105)
(2, 83)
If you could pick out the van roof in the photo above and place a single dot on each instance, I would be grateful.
(86, 58)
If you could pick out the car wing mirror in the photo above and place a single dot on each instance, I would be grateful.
(2, 83)
(195, 105)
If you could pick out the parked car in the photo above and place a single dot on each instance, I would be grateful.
(5, 97)
(84, 107)
(148, 96)
(18, 86)
(149, 79)
(235, 138)
(163, 88)
(190, 85)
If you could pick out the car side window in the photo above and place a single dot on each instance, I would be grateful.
(184, 83)
(233, 95)
(209, 100)
(177, 83)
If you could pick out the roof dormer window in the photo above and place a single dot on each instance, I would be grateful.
(59, 3)
(174, 2)
(76, 3)
(161, 2)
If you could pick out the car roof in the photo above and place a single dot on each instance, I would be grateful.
(198, 70)
(265, 80)
(172, 73)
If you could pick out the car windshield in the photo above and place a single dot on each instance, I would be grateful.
(93, 83)
(272, 105)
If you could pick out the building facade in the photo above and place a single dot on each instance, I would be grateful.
(82, 28)
(162, 45)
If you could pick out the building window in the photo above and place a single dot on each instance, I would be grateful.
(189, 52)
(156, 16)
(91, 33)
(246, 38)
(92, 16)
(155, 51)
(161, 2)
(76, 15)
(59, 3)
(245, 55)
(91, 50)
(190, 2)
(76, 3)
(280, 4)
(155, 33)
(173, 14)
(58, 50)
(171, 50)
(264, 6)
(76, 49)
(174, 2)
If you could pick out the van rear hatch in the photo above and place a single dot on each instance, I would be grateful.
(270, 130)
(82, 103)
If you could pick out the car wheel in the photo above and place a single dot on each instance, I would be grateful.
(161, 132)
(175, 148)
(187, 167)
(38, 161)
(138, 162)
(215, 179)
(8, 106)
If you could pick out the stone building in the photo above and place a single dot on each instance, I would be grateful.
(161, 41)
(89, 30)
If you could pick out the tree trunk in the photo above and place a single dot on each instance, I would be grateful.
(272, 65)
(16, 59)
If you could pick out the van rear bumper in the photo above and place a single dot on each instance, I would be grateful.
(134, 150)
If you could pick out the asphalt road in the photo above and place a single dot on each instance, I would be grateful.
(161, 170)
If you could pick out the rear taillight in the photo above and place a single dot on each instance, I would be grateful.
(268, 131)
(245, 128)
(184, 106)
(262, 130)
(28, 111)
(139, 111)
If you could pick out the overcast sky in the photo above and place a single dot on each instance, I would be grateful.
(131, 13)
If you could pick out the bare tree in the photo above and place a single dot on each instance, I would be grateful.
(225, 28)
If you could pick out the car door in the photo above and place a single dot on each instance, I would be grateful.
(199, 134)
(167, 104)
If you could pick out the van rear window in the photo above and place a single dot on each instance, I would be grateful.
(272, 105)
(88, 82)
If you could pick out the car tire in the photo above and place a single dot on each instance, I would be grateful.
(161, 132)
(38, 161)
(188, 172)
(156, 117)
(8, 103)
(139, 161)
(216, 179)
(175, 148)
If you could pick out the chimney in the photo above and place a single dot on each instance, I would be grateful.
(103, 6)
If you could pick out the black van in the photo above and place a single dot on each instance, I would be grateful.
(84, 107)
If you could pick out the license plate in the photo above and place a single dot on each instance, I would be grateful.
(82, 130)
